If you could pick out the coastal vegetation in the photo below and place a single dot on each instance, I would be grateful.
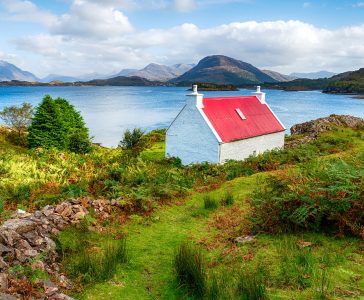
(56, 124)
(286, 223)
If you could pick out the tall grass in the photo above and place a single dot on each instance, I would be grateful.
(228, 199)
(94, 267)
(190, 269)
(251, 287)
(210, 202)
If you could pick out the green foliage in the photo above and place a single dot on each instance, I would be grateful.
(209, 202)
(57, 124)
(18, 118)
(228, 199)
(318, 196)
(81, 261)
(251, 287)
(190, 269)
(134, 140)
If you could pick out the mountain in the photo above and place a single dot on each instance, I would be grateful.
(157, 72)
(55, 77)
(121, 81)
(10, 72)
(221, 69)
(313, 75)
(125, 72)
(278, 76)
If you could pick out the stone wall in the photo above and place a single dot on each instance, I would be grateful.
(27, 236)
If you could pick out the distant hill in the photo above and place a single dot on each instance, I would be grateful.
(120, 81)
(159, 72)
(221, 69)
(10, 72)
(55, 77)
(278, 76)
(313, 75)
(347, 83)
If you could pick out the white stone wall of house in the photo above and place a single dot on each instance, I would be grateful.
(190, 138)
(242, 149)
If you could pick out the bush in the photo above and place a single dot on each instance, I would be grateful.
(80, 142)
(319, 196)
(57, 124)
(134, 140)
(190, 269)
(18, 119)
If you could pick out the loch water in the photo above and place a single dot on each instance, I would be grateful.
(108, 111)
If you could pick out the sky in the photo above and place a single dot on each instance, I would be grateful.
(76, 37)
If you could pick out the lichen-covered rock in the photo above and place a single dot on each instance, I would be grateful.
(317, 126)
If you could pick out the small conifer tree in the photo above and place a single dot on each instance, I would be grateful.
(55, 124)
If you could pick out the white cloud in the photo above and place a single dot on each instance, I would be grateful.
(306, 4)
(184, 5)
(88, 19)
(98, 37)
(27, 11)
(359, 4)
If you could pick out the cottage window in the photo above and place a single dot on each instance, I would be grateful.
(241, 115)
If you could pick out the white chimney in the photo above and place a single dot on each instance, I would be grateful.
(260, 95)
(195, 98)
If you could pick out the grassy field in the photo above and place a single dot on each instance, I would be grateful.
(206, 206)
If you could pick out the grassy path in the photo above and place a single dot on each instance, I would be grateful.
(152, 244)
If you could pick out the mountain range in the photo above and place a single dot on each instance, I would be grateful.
(313, 75)
(215, 69)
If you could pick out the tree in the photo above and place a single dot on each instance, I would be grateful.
(57, 124)
(18, 118)
(134, 140)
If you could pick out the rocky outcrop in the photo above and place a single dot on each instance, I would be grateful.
(26, 239)
(311, 129)
(317, 126)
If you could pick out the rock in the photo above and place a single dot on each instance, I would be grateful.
(4, 296)
(37, 214)
(62, 297)
(10, 236)
(3, 281)
(31, 253)
(23, 245)
(314, 127)
(80, 215)
(20, 256)
(3, 264)
(66, 212)
(49, 288)
(19, 225)
(245, 239)
(50, 244)
(4, 249)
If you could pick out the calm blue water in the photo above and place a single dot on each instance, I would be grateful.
(108, 111)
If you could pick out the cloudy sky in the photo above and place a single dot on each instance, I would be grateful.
(74, 37)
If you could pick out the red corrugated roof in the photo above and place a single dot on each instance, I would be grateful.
(229, 125)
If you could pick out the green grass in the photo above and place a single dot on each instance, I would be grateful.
(169, 203)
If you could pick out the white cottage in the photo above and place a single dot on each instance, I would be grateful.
(222, 128)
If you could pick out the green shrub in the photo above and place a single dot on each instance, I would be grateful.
(134, 140)
(210, 203)
(318, 196)
(228, 199)
(190, 270)
(57, 124)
